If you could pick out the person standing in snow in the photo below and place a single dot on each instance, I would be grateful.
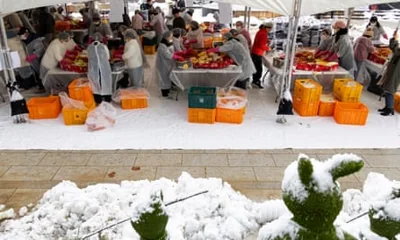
(242, 30)
(260, 47)
(377, 29)
(134, 59)
(99, 70)
(390, 81)
(343, 47)
(362, 48)
(240, 55)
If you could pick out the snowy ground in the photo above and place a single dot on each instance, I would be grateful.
(164, 126)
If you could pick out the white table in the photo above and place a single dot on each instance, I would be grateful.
(326, 79)
(57, 80)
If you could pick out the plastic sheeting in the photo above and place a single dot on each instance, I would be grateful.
(309, 7)
(7, 6)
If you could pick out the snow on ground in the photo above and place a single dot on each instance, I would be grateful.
(164, 125)
(67, 211)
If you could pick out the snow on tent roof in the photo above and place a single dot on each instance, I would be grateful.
(309, 7)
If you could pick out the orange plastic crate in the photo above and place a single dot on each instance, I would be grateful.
(44, 107)
(351, 113)
(74, 116)
(305, 109)
(149, 50)
(230, 115)
(347, 90)
(134, 103)
(307, 90)
(79, 89)
(201, 115)
(397, 102)
(327, 106)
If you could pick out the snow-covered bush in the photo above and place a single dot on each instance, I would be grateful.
(311, 193)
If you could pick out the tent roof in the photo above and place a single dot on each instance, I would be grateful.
(10, 6)
(309, 7)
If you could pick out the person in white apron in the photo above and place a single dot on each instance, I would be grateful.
(99, 70)
(134, 59)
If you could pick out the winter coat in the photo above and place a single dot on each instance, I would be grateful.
(178, 45)
(99, 69)
(179, 23)
(54, 54)
(391, 77)
(104, 29)
(137, 22)
(378, 31)
(362, 48)
(344, 50)
(158, 24)
(260, 45)
(196, 35)
(35, 46)
(241, 56)
(246, 35)
(164, 65)
(132, 54)
(46, 24)
(326, 44)
(188, 18)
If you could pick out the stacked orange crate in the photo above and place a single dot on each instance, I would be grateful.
(306, 98)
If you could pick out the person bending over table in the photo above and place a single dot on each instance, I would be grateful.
(99, 70)
(343, 47)
(390, 81)
(377, 29)
(326, 42)
(54, 54)
(97, 26)
(240, 55)
(134, 59)
(178, 41)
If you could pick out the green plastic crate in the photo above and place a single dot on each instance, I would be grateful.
(203, 97)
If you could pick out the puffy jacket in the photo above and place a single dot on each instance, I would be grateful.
(362, 48)
(54, 54)
(260, 45)
(132, 54)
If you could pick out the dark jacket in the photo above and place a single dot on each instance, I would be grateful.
(179, 22)
(46, 24)
(391, 77)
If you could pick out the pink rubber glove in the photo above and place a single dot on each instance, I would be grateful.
(31, 58)
(385, 36)
(332, 58)
(213, 50)
(177, 57)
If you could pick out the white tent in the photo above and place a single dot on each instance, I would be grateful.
(285, 7)
(10, 6)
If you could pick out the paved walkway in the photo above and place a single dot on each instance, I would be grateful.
(26, 175)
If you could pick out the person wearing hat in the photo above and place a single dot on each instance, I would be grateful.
(377, 29)
(188, 16)
(363, 47)
(195, 36)
(99, 69)
(260, 47)
(326, 41)
(137, 22)
(178, 22)
(243, 31)
(390, 81)
(54, 54)
(134, 59)
(343, 47)
(165, 63)
(97, 26)
(238, 53)
(157, 24)
(236, 35)
(34, 51)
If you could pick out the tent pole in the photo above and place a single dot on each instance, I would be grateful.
(245, 17)
(5, 55)
(248, 18)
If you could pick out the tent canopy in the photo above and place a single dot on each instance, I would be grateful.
(10, 6)
(309, 7)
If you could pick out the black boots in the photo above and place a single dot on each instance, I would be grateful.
(387, 112)
(382, 109)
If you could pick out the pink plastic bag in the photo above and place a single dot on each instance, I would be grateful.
(101, 117)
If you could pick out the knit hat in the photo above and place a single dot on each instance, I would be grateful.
(268, 25)
(63, 36)
(227, 36)
(96, 17)
(340, 24)
(368, 32)
(175, 11)
(327, 31)
(167, 34)
(177, 32)
(130, 33)
(234, 32)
